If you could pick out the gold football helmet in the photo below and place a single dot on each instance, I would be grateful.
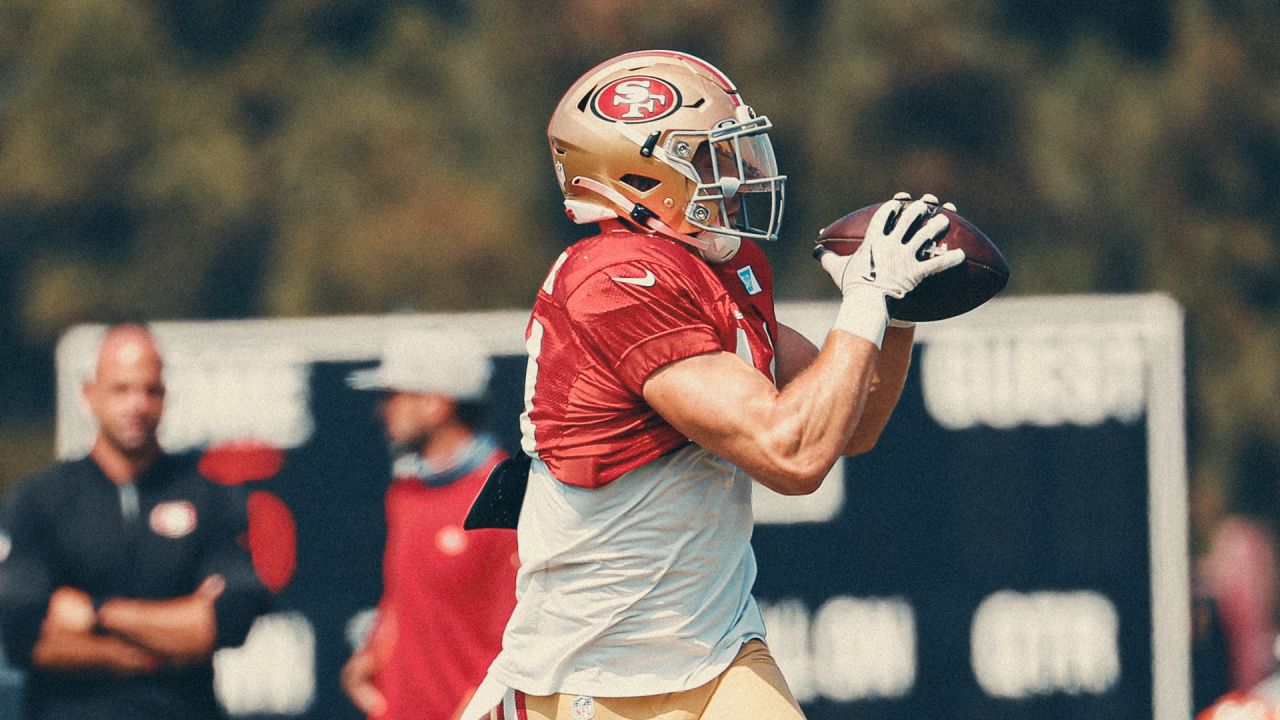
(663, 140)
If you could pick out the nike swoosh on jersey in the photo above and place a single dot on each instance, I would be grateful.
(646, 280)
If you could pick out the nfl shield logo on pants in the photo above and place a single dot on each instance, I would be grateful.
(584, 708)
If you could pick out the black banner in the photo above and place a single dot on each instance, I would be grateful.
(1013, 549)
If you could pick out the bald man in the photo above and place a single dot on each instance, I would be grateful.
(122, 572)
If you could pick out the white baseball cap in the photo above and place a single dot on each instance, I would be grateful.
(430, 361)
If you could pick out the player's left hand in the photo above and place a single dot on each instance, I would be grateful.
(929, 198)
(888, 263)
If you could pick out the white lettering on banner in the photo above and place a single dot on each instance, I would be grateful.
(851, 649)
(359, 627)
(867, 647)
(1029, 644)
(787, 622)
(1052, 376)
(217, 396)
(274, 672)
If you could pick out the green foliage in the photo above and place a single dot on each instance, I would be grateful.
(165, 159)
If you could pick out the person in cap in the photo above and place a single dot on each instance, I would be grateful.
(121, 572)
(447, 593)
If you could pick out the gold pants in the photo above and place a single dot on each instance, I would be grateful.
(751, 688)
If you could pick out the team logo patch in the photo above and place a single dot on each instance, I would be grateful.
(749, 281)
(584, 708)
(451, 540)
(636, 99)
(173, 519)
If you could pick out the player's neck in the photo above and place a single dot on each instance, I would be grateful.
(445, 442)
(120, 467)
(608, 226)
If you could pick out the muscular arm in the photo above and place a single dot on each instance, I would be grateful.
(887, 264)
(786, 439)
(181, 630)
(795, 353)
(47, 624)
(886, 388)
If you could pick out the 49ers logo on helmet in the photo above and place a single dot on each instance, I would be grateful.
(636, 99)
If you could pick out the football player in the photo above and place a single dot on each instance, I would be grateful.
(660, 386)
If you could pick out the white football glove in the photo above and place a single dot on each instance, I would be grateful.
(887, 263)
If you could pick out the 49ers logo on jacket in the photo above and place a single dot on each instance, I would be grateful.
(636, 99)
(173, 519)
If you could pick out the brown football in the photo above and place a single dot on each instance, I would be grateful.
(960, 289)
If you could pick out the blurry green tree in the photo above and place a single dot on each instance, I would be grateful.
(166, 159)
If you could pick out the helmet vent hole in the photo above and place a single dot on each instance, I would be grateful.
(582, 104)
(640, 182)
(696, 104)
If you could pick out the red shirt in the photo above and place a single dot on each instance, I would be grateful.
(447, 594)
(616, 307)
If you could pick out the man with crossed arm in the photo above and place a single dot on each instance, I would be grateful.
(122, 572)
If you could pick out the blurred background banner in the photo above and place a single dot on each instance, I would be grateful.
(1015, 547)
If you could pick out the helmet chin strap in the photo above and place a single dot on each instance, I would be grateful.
(721, 248)
(713, 247)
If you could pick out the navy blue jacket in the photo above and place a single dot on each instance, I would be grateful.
(158, 539)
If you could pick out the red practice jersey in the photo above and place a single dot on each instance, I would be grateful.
(447, 595)
(614, 308)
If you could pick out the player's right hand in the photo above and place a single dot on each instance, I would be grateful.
(357, 679)
(886, 263)
(70, 610)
